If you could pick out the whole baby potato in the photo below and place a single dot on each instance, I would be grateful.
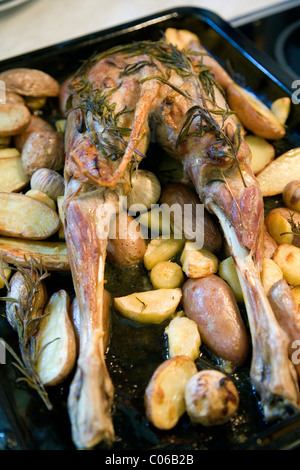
(42, 149)
(126, 245)
(210, 302)
(291, 195)
(211, 398)
(30, 82)
(36, 124)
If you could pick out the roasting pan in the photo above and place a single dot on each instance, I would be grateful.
(135, 351)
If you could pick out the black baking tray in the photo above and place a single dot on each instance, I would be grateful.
(136, 350)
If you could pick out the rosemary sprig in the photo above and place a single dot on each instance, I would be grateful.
(27, 320)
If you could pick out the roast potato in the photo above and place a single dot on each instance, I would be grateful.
(210, 302)
(253, 113)
(36, 123)
(52, 255)
(42, 149)
(166, 275)
(183, 337)
(30, 82)
(164, 395)
(14, 118)
(291, 195)
(287, 257)
(55, 341)
(211, 398)
(262, 152)
(275, 176)
(24, 217)
(198, 262)
(154, 306)
(281, 108)
(12, 175)
(162, 249)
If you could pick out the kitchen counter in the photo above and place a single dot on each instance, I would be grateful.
(34, 24)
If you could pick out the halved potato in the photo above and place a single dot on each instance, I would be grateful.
(9, 153)
(262, 152)
(14, 118)
(196, 262)
(287, 257)
(152, 306)
(279, 227)
(56, 344)
(30, 82)
(162, 249)
(281, 108)
(253, 113)
(164, 395)
(275, 176)
(53, 255)
(12, 175)
(183, 337)
(24, 217)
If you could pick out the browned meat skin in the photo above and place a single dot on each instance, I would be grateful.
(229, 189)
(223, 179)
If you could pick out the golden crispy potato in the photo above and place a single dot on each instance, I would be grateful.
(281, 108)
(198, 262)
(162, 249)
(275, 176)
(14, 118)
(183, 337)
(270, 274)
(253, 113)
(43, 197)
(166, 275)
(42, 149)
(53, 255)
(30, 82)
(24, 217)
(279, 227)
(12, 175)
(262, 152)
(55, 341)
(164, 395)
(287, 257)
(228, 272)
(153, 306)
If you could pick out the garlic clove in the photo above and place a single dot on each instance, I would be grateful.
(49, 182)
(145, 191)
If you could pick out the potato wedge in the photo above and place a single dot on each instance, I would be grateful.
(43, 197)
(183, 337)
(164, 395)
(198, 263)
(262, 152)
(14, 118)
(24, 217)
(270, 274)
(12, 175)
(162, 249)
(287, 257)
(281, 108)
(30, 82)
(53, 255)
(275, 176)
(253, 113)
(279, 227)
(228, 272)
(56, 343)
(153, 306)
(6, 274)
(9, 153)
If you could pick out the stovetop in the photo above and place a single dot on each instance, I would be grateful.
(276, 31)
